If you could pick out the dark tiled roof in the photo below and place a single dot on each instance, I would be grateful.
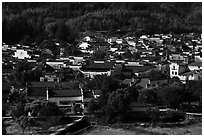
(151, 58)
(99, 66)
(41, 92)
(179, 62)
(55, 85)
(66, 93)
(136, 69)
(199, 64)
(189, 73)
(106, 44)
(37, 91)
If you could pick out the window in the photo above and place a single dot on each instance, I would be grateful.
(172, 73)
(175, 73)
(174, 67)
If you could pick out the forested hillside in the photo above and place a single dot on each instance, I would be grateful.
(39, 21)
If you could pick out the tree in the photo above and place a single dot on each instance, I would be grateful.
(133, 92)
(61, 32)
(50, 44)
(148, 96)
(136, 55)
(26, 40)
(194, 91)
(72, 33)
(106, 85)
(51, 28)
(43, 108)
(117, 101)
(19, 100)
(117, 104)
(23, 122)
(93, 106)
(39, 24)
(3, 128)
(172, 96)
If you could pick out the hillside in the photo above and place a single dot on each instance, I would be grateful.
(39, 21)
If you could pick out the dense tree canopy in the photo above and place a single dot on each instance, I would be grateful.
(39, 20)
(172, 96)
(148, 96)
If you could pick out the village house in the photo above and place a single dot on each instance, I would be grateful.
(21, 54)
(143, 82)
(112, 40)
(56, 64)
(50, 78)
(90, 38)
(97, 68)
(66, 95)
(67, 99)
(197, 57)
(129, 71)
(176, 68)
(191, 75)
(84, 45)
(158, 82)
(195, 66)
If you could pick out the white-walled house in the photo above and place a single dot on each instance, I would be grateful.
(198, 58)
(184, 72)
(195, 66)
(112, 40)
(192, 75)
(50, 78)
(177, 68)
(119, 41)
(84, 45)
(21, 54)
(56, 64)
(97, 68)
(67, 98)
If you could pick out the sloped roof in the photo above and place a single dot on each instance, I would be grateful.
(66, 93)
(189, 73)
(136, 69)
(55, 85)
(99, 66)
(41, 92)
(37, 91)
(199, 64)
(126, 81)
(179, 62)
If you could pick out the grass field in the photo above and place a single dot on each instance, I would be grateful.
(195, 129)
(118, 129)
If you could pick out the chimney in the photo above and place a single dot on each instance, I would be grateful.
(47, 94)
